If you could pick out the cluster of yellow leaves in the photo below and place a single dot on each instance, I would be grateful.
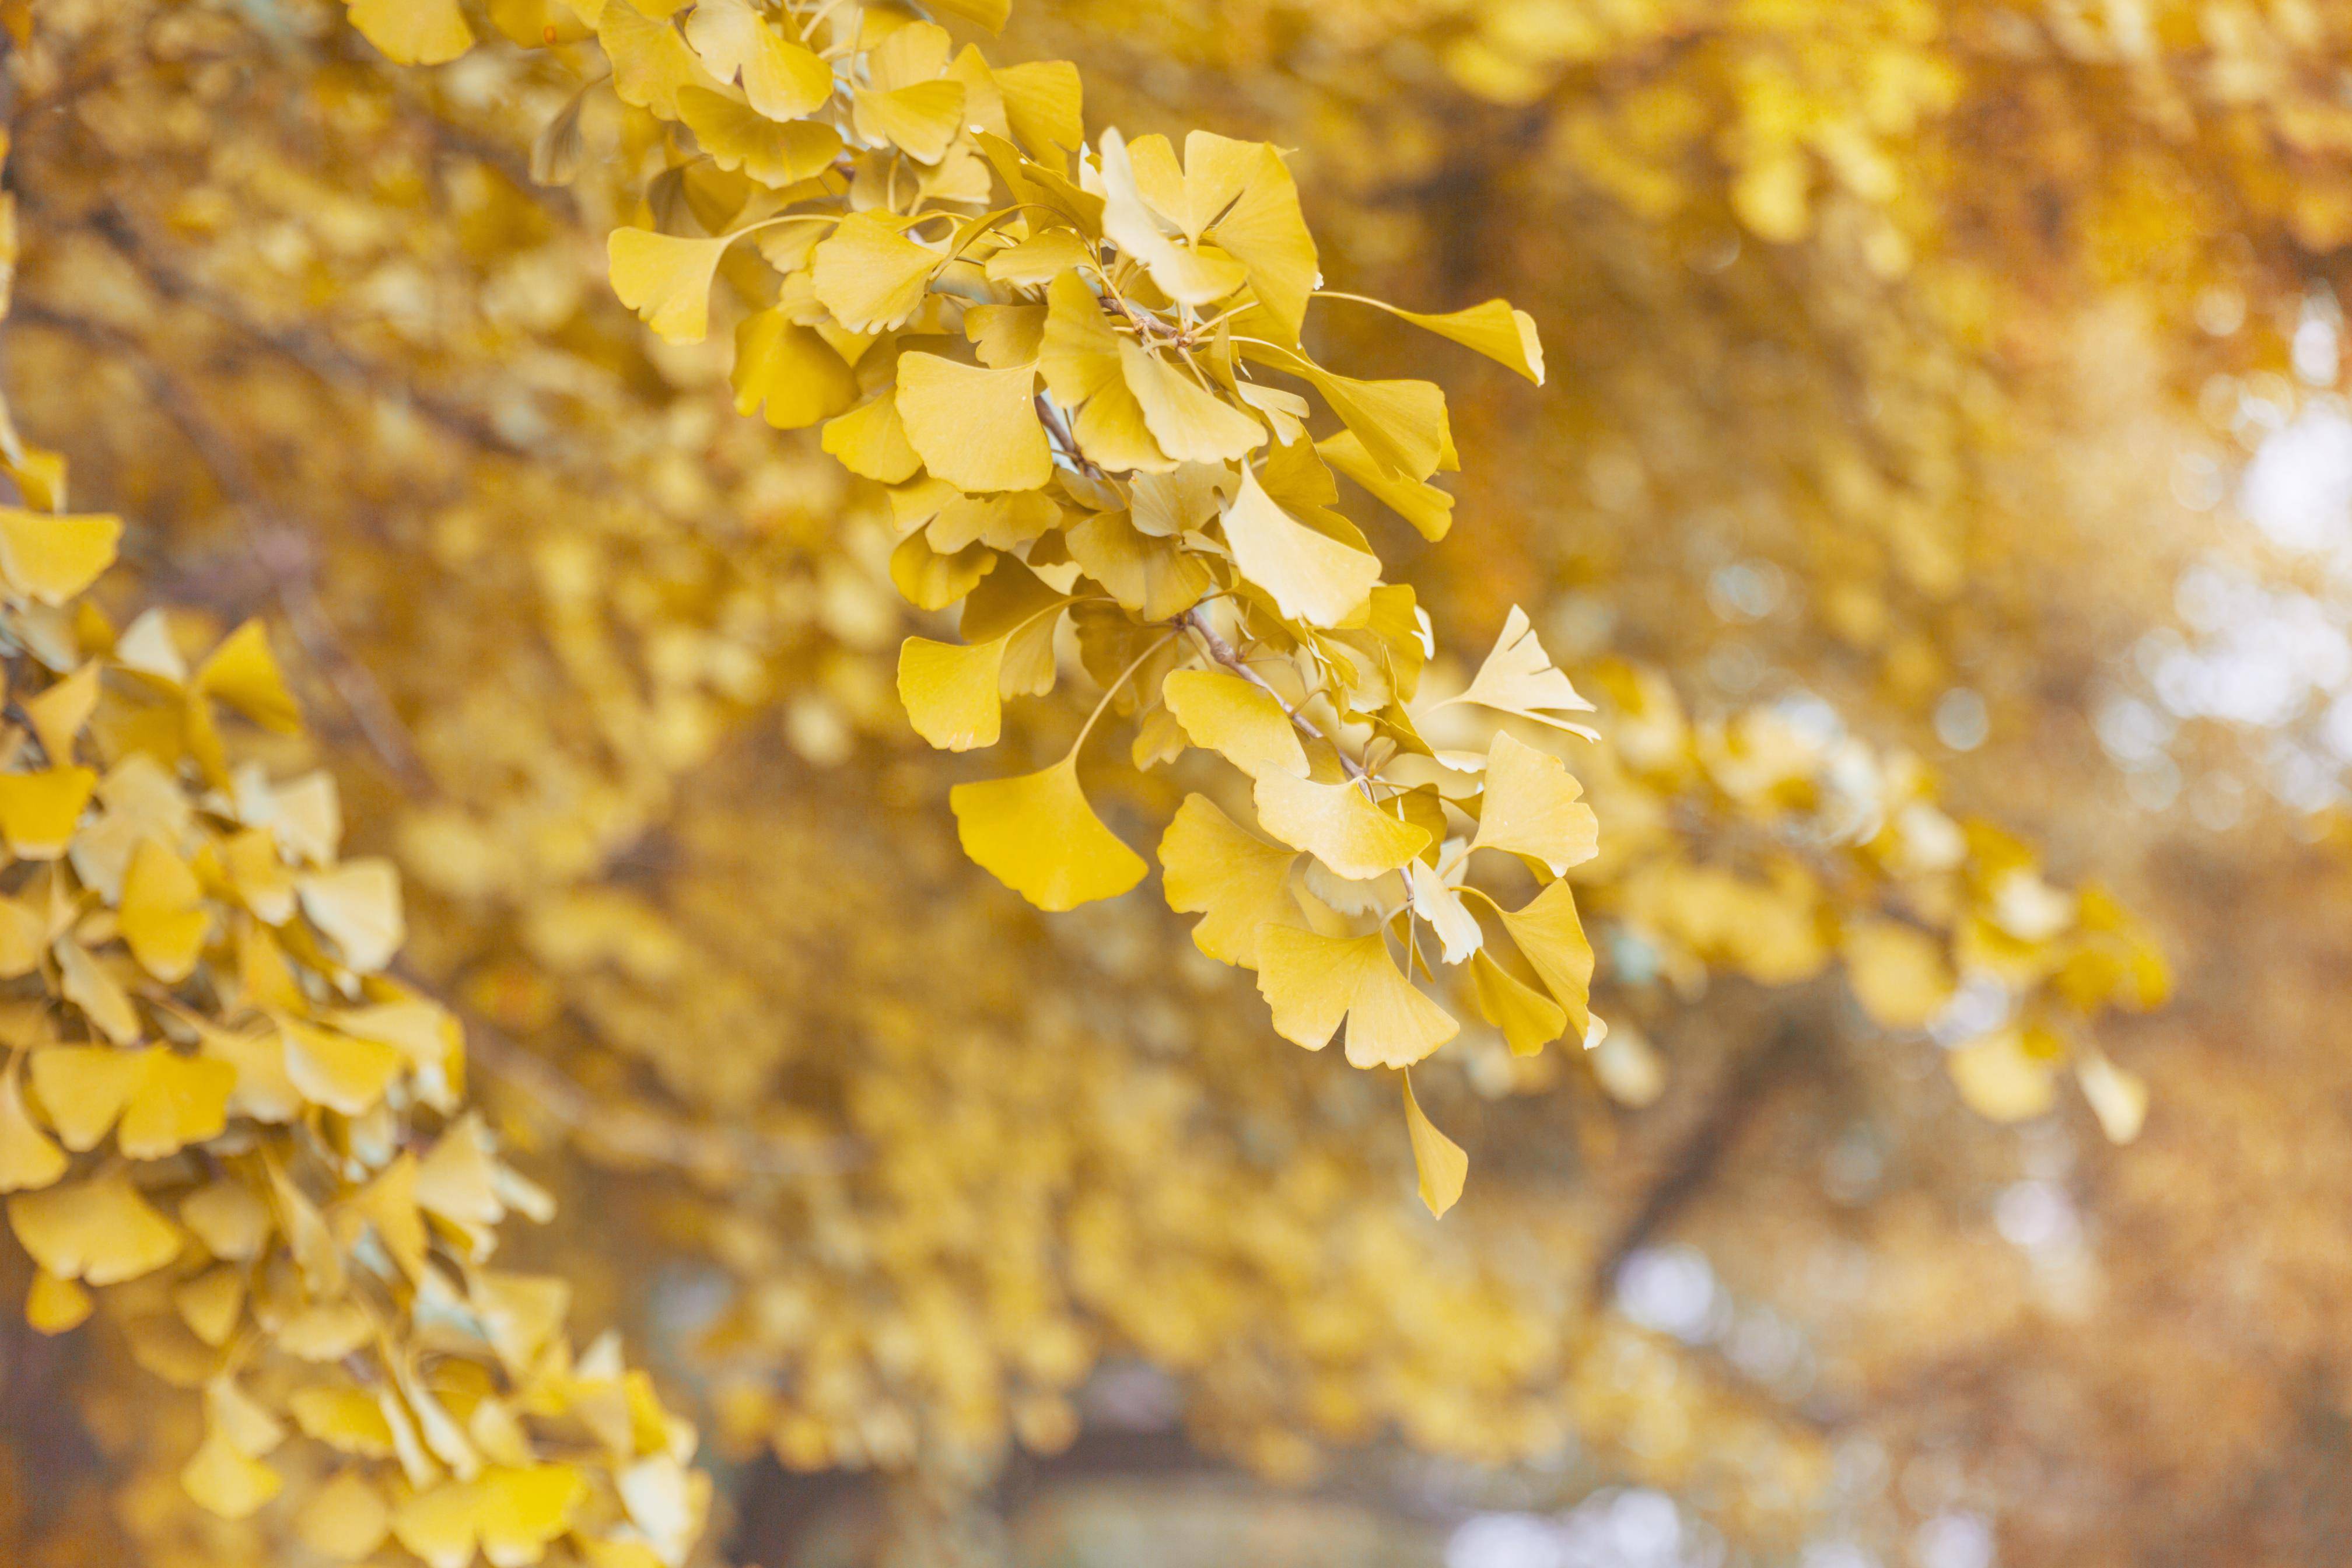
(216, 1104)
(1068, 398)
(1830, 851)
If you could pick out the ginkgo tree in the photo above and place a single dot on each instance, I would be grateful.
(1201, 576)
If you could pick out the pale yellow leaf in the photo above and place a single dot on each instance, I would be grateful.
(783, 77)
(1337, 825)
(1312, 577)
(666, 279)
(1313, 982)
(1440, 1161)
(102, 1230)
(1236, 882)
(1552, 938)
(869, 275)
(413, 32)
(1533, 806)
(949, 691)
(974, 428)
(1190, 422)
(1237, 718)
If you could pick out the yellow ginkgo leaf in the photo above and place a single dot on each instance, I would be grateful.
(1518, 678)
(2000, 1079)
(211, 1303)
(357, 905)
(345, 1419)
(920, 120)
(38, 811)
(438, 1524)
(1043, 100)
(83, 1089)
(1530, 1020)
(666, 279)
(93, 988)
(976, 429)
(1236, 882)
(1450, 920)
(1037, 836)
(1440, 1161)
(783, 77)
(1420, 503)
(1532, 805)
(2119, 1097)
(1493, 329)
(1337, 825)
(1156, 577)
(244, 673)
(55, 1306)
(162, 915)
(102, 1230)
(1899, 975)
(345, 1520)
(1313, 577)
(1313, 982)
(339, 1071)
(228, 1219)
(1237, 718)
(413, 32)
(871, 442)
(738, 136)
(650, 61)
(790, 371)
(1190, 423)
(27, 1157)
(180, 1100)
(522, 1509)
(231, 1484)
(59, 711)
(1265, 230)
(931, 580)
(1038, 260)
(869, 274)
(1552, 938)
(949, 691)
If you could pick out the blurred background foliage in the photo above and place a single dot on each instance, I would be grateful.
(1944, 430)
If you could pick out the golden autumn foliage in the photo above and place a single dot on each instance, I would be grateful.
(717, 473)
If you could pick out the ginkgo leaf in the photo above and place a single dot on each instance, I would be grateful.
(59, 712)
(229, 1483)
(737, 136)
(162, 915)
(1335, 824)
(988, 14)
(212, 1304)
(869, 274)
(650, 60)
(1901, 977)
(102, 1230)
(83, 1089)
(345, 1520)
(1038, 260)
(976, 429)
(27, 1157)
(1456, 927)
(1493, 329)
(1552, 938)
(1264, 230)
(949, 691)
(1518, 678)
(1037, 836)
(1190, 423)
(38, 811)
(666, 279)
(931, 580)
(339, 1071)
(1530, 1020)
(1312, 982)
(2001, 1079)
(55, 1306)
(920, 120)
(180, 1100)
(1236, 882)
(413, 32)
(790, 371)
(244, 673)
(1312, 577)
(1044, 101)
(2118, 1097)
(89, 985)
(871, 442)
(1155, 577)
(1439, 1161)
(1189, 275)
(1532, 805)
(783, 77)
(357, 905)
(52, 559)
(1420, 503)
(1237, 718)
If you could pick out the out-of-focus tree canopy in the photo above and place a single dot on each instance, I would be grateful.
(1866, 608)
